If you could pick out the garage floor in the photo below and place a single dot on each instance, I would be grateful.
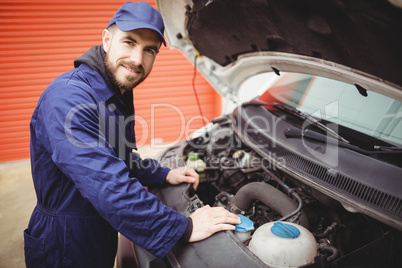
(17, 200)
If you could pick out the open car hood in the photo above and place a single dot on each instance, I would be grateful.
(357, 42)
(307, 150)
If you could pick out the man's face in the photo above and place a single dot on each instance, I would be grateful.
(129, 56)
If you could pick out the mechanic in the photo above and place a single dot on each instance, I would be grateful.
(89, 184)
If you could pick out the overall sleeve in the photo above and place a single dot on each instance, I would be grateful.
(148, 171)
(81, 152)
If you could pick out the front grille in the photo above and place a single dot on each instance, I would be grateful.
(340, 183)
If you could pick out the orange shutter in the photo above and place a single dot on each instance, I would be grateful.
(39, 41)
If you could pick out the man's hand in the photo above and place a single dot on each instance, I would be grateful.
(207, 221)
(183, 174)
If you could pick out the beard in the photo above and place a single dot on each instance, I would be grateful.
(129, 82)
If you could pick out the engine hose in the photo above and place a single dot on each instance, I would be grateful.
(332, 250)
(327, 231)
(270, 196)
(290, 191)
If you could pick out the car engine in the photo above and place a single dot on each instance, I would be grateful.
(236, 177)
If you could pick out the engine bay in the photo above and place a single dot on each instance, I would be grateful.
(236, 177)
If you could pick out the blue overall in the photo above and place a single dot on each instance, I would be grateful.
(88, 183)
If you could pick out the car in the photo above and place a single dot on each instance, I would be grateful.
(308, 150)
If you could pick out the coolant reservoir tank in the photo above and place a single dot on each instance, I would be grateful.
(197, 164)
(243, 230)
(283, 244)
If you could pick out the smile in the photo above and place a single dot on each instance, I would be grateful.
(131, 70)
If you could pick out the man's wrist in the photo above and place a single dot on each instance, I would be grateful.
(187, 233)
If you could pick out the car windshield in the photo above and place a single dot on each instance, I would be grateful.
(344, 104)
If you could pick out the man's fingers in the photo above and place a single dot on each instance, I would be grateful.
(195, 184)
(189, 179)
(183, 174)
(224, 219)
(225, 215)
(192, 176)
(189, 172)
(220, 227)
(230, 219)
(207, 221)
(184, 170)
(223, 227)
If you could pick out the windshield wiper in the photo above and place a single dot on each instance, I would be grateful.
(309, 134)
(291, 110)
(387, 148)
(315, 136)
(255, 102)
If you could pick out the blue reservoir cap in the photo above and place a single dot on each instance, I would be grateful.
(245, 225)
(285, 230)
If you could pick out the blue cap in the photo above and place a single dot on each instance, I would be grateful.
(132, 16)
(285, 230)
(245, 225)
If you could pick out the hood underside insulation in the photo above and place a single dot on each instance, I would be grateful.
(363, 35)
